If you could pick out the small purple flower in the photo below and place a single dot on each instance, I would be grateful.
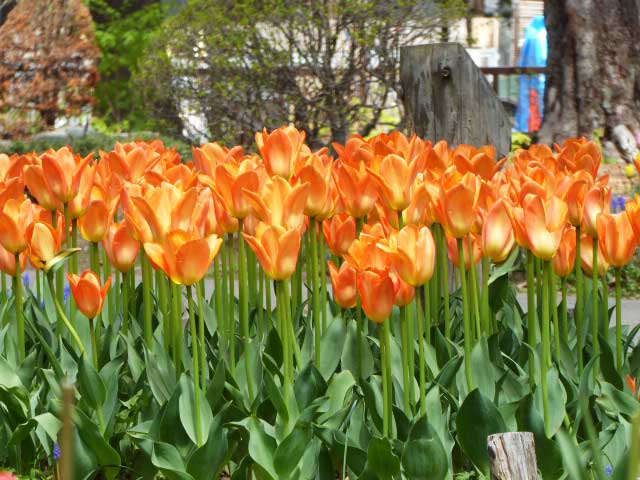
(26, 279)
(608, 471)
(67, 293)
(57, 453)
(42, 304)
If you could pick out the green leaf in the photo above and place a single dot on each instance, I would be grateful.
(167, 459)
(505, 267)
(424, 457)
(340, 385)
(215, 387)
(483, 368)
(573, 462)
(90, 384)
(382, 463)
(607, 364)
(478, 418)
(207, 462)
(161, 375)
(90, 435)
(309, 385)
(291, 450)
(59, 260)
(262, 447)
(331, 346)
(557, 401)
(276, 397)
(349, 359)
(187, 410)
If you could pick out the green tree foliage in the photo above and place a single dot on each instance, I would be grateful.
(330, 67)
(124, 29)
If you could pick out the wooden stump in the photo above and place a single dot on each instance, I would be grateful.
(513, 456)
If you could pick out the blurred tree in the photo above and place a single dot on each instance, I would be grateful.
(328, 66)
(49, 63)
(594, 71)
(124, 28)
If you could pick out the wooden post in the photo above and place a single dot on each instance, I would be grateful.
(513, 456)
(447, 97)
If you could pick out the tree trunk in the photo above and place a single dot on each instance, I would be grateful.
(594, 71)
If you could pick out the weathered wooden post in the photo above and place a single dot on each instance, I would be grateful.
(513, 456)
(447, 97)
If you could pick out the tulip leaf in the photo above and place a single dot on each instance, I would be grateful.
(90, 435)
(90, 384)
(58, 261)
(167, 459)
(478, 418)
(331, 346)
(573, 462)
(187, 410)
(382, 463)
(607, 364)
(349, 359)
(504, 267)
(557, 401)
(208, 460)
(309, 385)
(291, 450)
(424, 457)
(483, 368)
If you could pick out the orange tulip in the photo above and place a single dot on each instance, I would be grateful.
(458, 203)
(356, 187)
(63, 172)
(88, 292)
(277, 249)
(208, 156)
(498, 238)
(395, 178)
(365, 252)
(481, 161)
(322, 197)
(405, 293)
(184, 257)
(452, 247)
(357, 150)
(15, 217)
(633, 212)
(232, 180)
(121, 246)
(586, 255)
(565, 259)
(632, 383)
(544, 222)
(616, 240)
(596, 201)
(80, 202)
(581, 183)
(8, 262)
(343, 281)
(280, 150)
(95, 223)
(339, 232)
(131, 162)
(413, 254)
(279, 203)
(34, 179)
(377, 293)
(44, 244)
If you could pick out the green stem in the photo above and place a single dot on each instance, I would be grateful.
(404, 324)
(60, 273)
(196, 364)
(112, 291)
(427, 312)
(579, 306)
(532, 321)
(201, 334)
(146, 300)
(125, 301)
(323, 281)
(565, 316)
(3, 277)
(63, 317)
(546, 344)
(38, 286)
(94, 345)
(231, 319)
(360, 328)
(218, 289)
(421, 356)
(161, 282)
(386, 327)
(605, 302)
(474, 289)
(619, 348)
(486, 312)
(317, 330)
(260, 303)
(267, 294)
(596, 321)
(468, 335)
(73, 265)
(385, 382)
(176, 313)
(17, 292)
(444, 261)
(291, 331)
(244, 314)
(281, 309)
(223, 320)
(554, 310)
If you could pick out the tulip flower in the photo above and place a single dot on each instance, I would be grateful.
(565, 258)
(586, 254)
(8, 262)
(357, 188)
(596, 201)
(279, 203)
(395, 178)
(132, 164)
(616, 238)
(44, 243)
(277, 249)
(184, 257)
(544, 223)
(230, 182)
(63, 171)
(95, 223)
(452, 246)
(343, 281)
(15, 217)
(458, 203)
(632, 208)
(405, 293)
(121, 246)
(34, 180)
(377, 292)
(413, 254)
(357, 150)
(481, 162)
(581, 183)
(80, 202)
(339, 232)
(498, 238)
(322, 197)
(88, 292)
(280, 150)
(208, 156)
(7, 476)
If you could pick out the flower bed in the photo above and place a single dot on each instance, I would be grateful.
(296, 315)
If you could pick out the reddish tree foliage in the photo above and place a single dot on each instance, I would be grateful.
(48, 65)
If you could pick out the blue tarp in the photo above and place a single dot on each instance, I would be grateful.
(533, 54)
